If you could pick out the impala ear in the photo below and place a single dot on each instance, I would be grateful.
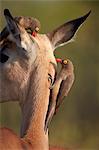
(65, 32)
(11, 25)
(4, 33)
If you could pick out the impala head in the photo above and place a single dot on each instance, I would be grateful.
(19, 51)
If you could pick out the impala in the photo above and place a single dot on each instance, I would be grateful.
(25, 65)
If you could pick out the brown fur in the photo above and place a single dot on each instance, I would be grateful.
(24, 78)
(32, 90)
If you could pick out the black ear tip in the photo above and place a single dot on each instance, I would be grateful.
(85, 17)
(88, 14)
(6, 12)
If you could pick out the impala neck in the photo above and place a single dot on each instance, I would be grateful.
(35, 107)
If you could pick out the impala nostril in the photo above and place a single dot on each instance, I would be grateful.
(3, 58)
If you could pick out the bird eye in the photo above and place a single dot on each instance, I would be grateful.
(65, 62)
(37, 29)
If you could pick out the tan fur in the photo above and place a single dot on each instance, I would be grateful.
(29, 82)
(24, 78)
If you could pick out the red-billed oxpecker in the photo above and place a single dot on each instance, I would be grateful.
(60, 89)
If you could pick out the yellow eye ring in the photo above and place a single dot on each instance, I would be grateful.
(37, 29)
(65, 62)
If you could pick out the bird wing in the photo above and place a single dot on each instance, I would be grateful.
(54, 88)
(26, 22)
(64, 89)
(52, 104)
(50, 113)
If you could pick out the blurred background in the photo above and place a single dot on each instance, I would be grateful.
(76, 124)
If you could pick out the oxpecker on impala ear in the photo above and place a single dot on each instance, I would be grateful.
(65, 32)
(30, 24)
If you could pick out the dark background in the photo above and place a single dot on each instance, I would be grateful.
(77, 123)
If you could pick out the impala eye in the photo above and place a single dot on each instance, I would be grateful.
(3, 58)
